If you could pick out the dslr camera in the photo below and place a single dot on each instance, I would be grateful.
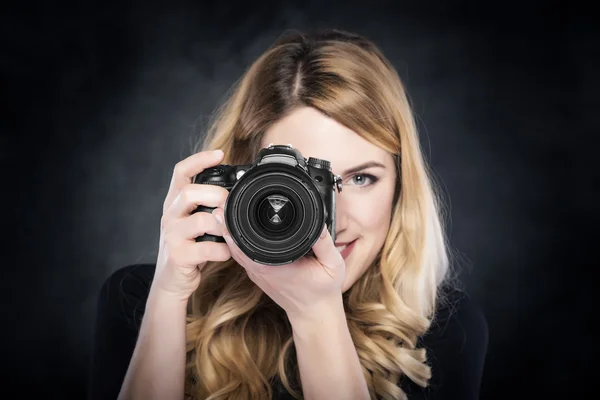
(277, 205)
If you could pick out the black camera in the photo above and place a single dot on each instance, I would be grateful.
(277, 205)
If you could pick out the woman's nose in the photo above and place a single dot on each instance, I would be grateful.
(341, 215)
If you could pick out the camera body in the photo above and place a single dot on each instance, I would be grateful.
(277, 205)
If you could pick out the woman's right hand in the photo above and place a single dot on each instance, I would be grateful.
(180, 257)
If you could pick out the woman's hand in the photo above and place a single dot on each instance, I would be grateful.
(180, 257)
(303, 288)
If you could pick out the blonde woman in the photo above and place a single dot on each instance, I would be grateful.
(371, 314)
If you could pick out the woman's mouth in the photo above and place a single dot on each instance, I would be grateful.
(345, 248)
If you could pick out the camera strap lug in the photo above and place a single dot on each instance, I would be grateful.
(337, 182)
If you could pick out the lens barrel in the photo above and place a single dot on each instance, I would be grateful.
(275, 213)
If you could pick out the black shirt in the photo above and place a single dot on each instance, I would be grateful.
(456, 342)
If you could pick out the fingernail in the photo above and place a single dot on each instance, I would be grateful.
(324, 233)
(218, 153)
(218, 218)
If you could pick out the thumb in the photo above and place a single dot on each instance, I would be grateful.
(326, 253)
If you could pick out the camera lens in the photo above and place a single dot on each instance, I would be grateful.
(275, 214)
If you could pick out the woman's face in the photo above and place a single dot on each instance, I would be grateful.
(364, 207)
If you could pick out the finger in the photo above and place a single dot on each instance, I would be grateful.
(186, 169)
(236, 253)
(326, 253)
(194, 253)
(196, 225)
(192, 195)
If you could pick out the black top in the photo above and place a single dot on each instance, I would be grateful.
(456, 342)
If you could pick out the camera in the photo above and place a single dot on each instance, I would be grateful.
(277, 205)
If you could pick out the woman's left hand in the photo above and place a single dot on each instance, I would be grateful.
(302, 288)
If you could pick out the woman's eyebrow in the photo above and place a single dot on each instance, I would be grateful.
(363, 166)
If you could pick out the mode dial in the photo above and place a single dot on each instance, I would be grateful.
(318, 163)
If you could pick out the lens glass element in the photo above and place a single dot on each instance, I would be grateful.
(275, 214)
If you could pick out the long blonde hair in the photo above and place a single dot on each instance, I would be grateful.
(239, 341)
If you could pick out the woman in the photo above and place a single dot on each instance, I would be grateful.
(373, 315)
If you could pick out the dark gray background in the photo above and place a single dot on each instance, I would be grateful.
(103, 98)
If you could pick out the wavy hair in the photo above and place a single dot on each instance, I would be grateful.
(239, 342)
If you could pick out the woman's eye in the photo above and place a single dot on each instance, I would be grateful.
(362, 180)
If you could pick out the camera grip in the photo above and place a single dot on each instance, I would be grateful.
(208, 237)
